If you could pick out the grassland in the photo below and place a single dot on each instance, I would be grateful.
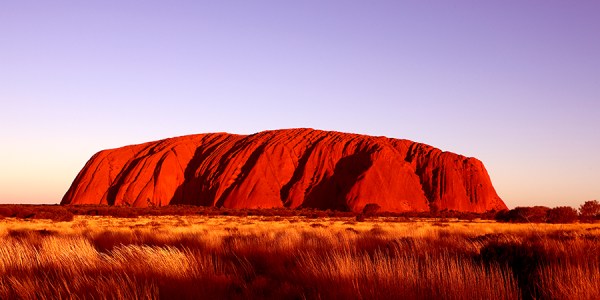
(227, 257)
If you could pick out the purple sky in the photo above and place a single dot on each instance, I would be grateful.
(513, 83)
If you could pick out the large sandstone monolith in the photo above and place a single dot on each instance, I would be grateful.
(285, 168)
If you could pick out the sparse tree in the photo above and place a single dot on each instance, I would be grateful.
(589, 210)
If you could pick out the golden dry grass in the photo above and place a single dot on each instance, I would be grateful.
(194, 257)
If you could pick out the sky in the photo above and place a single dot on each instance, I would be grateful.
(515, 84)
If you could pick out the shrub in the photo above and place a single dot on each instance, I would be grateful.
(562, 214)
(56, 216)
(524, 214)
(502, 216)
(6, 212)
(433, 208)
(24, 213)
(371, 209)
(589, 210)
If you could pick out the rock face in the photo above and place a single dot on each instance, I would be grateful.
(285, 168)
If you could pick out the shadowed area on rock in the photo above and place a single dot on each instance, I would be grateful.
(285, 168)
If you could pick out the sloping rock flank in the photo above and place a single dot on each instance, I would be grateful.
(285, 168)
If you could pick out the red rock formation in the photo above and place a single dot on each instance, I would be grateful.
(291, 168)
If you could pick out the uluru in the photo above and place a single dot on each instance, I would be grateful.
(294, 168)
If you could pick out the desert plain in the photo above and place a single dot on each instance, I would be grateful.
(295, 257)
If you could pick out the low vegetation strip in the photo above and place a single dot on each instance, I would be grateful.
(296, 257)
(588, 212)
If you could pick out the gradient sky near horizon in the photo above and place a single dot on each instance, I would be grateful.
(513, 83)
